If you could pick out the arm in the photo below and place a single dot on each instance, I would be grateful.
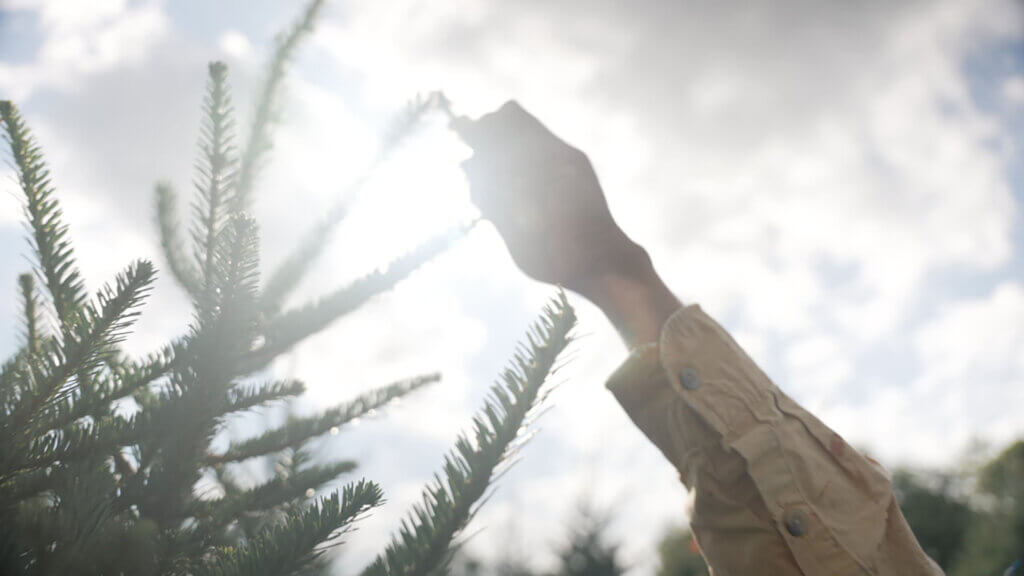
(775, 490)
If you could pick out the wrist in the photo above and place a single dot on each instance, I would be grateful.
(634, 298)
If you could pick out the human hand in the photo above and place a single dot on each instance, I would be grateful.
(545, 200)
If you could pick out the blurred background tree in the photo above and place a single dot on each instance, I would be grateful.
(935, 505)
(678, 554)
(588, 550)
(995, 534)
(971, 522)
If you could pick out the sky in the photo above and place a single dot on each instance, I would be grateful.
(839, 184)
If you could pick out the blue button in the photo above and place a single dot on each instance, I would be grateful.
(796, 523)
(689, 379)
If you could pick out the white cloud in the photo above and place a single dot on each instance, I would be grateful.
(977, 347)
(1013, 90)
(70, 15)
(971, 356)
(82, 38)
(820, 368)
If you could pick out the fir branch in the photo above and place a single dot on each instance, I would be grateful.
(87, 343)
(291, 272)
(183, 417)
(81, 517)
(292, 545)
(298, 324)
(170, 240)
(299, 430)
(12, 383)
(25, 484)
(410, 117)
(228, 312)
(124, 379)
(128, 376)
(423, 542)
(259, 142)
(177, 427)
(270, 494)
(30, 312)
(229, 307)
(49, 232)
(79, 441)
(216, 168)
(248, 525)
(237, 267)
(246, 397)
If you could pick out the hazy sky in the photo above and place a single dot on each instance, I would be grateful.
(840, 184)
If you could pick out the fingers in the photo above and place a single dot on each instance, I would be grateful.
(508, 126)
(466, 129)
(516, 159)
(491, 186)
(494, 142)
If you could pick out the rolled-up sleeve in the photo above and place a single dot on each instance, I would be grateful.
(775, 490)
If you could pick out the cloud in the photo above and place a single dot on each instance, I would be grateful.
(975, 350)
(971, 376)
(82, 38)
(1013, 90)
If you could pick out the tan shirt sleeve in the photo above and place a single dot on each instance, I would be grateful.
(775, 490)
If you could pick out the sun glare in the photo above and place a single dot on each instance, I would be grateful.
(419, 192)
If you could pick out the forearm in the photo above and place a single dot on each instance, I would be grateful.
(634, 298)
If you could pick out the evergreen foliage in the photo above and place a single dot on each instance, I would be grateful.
(679, 555)
(49, 235)
(936, 511)
(994, 538)
(588, 552)
(106, 462)
(422, 543)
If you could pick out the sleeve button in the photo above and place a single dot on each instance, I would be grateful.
(689, 379)
(796, 523)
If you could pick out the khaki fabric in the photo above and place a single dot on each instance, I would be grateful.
(775, 491)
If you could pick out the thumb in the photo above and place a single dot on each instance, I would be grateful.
(467, 130)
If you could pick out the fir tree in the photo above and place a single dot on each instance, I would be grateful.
(588, 551)
(585, 550)
(101, 454)
(994, 539)
(679, 555)
(936, 509)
